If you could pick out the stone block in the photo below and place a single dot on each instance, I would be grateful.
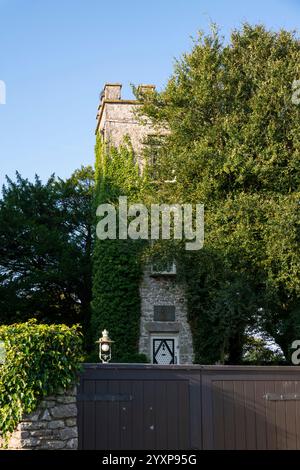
(42, 433)
(46, 416)
(71, 422)
(72, 444)
(51, 445)
(32, 426)
(56, 424)
(29, 443)
(64, 411)
(66, 400)
(68, 433)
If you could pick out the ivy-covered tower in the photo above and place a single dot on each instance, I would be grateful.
(163, 332)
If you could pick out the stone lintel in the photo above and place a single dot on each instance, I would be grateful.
(163, 327)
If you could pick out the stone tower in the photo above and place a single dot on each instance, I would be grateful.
(165, 335)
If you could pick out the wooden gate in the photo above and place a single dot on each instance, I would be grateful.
(125, 406)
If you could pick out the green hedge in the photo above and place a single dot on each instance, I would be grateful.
(39, 360)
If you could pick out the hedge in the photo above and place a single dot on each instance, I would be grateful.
(39, 361)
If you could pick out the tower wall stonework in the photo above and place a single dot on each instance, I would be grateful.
(119, 120)
(164, 291)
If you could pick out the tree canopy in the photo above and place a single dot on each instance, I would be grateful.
(45, 249)
(234, 146)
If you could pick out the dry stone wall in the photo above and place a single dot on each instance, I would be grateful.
(52, 426)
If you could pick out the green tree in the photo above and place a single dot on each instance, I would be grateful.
(234, 146)
(258, 350)
(45, 249)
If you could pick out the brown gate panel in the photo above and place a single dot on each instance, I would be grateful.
(251, 408)
(139, 407)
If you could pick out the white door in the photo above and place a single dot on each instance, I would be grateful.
(164, 349)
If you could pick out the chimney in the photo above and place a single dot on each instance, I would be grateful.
(144, 89)
(112, 91)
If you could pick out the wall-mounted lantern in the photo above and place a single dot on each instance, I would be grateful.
(105, 347)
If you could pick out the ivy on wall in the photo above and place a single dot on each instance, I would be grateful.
(39, 361)
(117, 266)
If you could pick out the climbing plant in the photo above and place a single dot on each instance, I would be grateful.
(39, 360)
(117, 266)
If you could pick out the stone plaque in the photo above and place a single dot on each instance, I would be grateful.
(164, 312)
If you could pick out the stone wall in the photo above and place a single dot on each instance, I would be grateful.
(52, 426)
(164, 290)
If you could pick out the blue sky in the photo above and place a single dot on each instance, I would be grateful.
(56, 55)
